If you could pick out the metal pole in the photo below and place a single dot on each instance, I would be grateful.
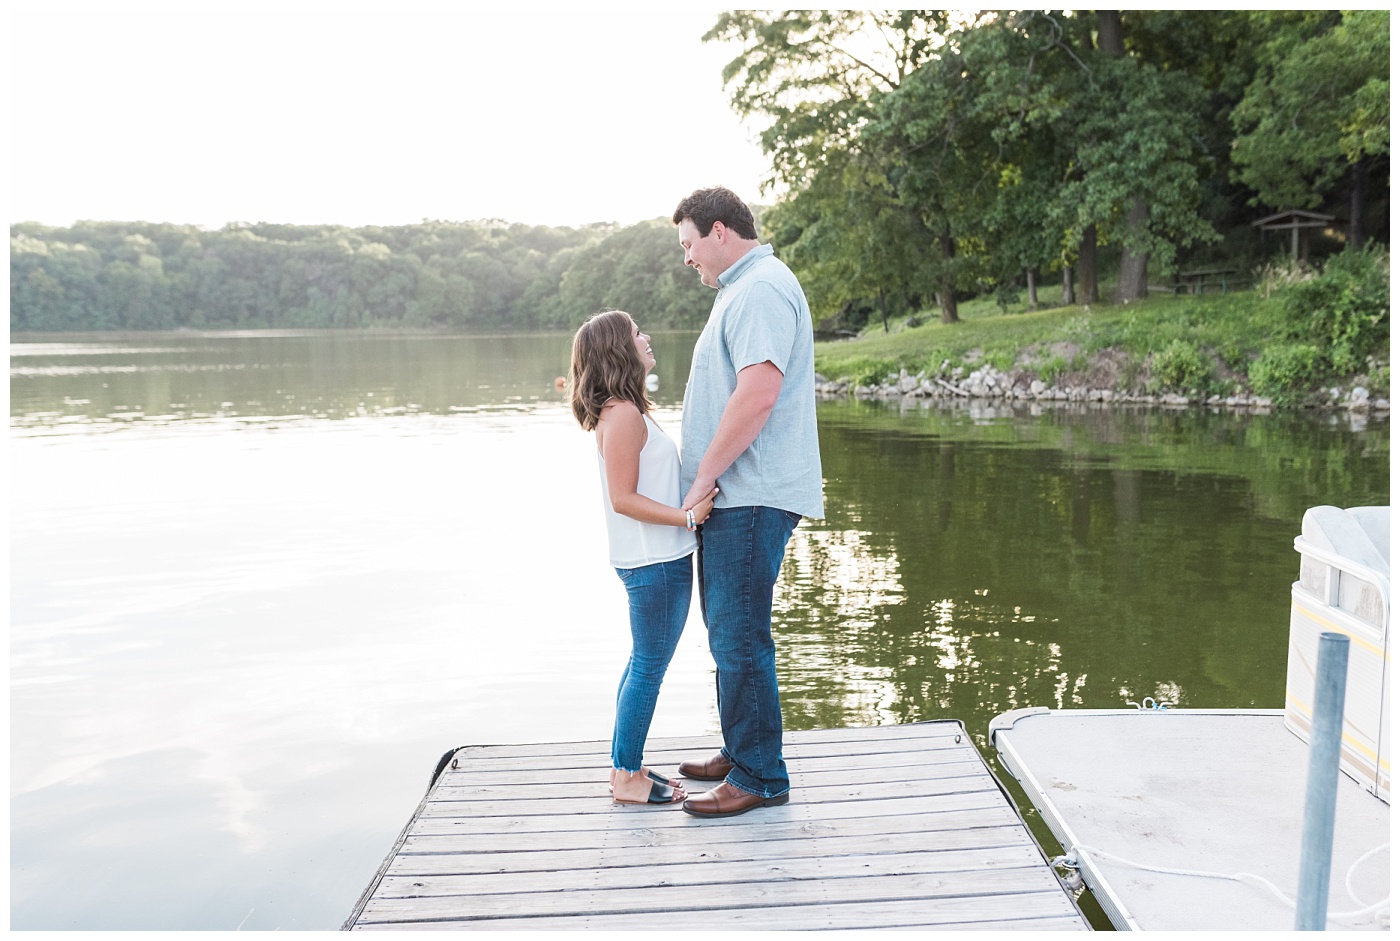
(1320, 805)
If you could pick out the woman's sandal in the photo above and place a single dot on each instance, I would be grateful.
(664, 790)
(662, 779)
(660, 794)
(654, 775)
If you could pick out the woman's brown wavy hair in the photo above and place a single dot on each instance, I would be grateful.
(604, 366)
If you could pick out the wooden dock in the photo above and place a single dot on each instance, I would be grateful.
(898, 826)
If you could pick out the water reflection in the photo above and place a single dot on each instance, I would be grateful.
(986, 558)
(834, 588)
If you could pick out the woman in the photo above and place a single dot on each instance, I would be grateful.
(650, 539)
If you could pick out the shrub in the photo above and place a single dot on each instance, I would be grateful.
(1345, 311)
(1179, 366)
(1280, 273)
(1380, 381)
(1130, 377)
(933, 363)
(869, 372)
(1234, 356)
(1285, 373)
(1052, 369)
(1002, 358)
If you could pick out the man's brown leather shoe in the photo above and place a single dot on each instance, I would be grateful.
(711, 769)
(726, 800)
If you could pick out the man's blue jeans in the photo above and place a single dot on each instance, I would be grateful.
(741, 551)
(658, 600)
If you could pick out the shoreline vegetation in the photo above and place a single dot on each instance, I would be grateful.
(1294, 339)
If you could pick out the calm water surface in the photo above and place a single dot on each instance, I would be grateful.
(260, 582)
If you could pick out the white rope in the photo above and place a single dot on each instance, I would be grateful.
(1356, 865)
(1247, 877)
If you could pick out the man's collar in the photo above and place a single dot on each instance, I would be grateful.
(727, 276)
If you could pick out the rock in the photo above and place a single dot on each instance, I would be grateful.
(1037, 387)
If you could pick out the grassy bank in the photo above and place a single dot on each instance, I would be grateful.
(1221, 344)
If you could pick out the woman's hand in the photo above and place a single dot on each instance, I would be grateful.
(701, 510)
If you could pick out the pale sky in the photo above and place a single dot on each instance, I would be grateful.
(367, 113)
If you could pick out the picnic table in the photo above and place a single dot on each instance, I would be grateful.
(1195, 281)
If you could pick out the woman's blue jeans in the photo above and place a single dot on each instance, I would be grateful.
(741, 551)
(658, 599)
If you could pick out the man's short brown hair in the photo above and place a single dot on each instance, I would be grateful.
(706, 207)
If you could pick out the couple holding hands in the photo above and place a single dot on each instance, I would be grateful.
(748, 471)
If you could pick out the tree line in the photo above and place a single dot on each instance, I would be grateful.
(932, 154)
(435, 275)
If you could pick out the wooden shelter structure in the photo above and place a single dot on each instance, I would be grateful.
(1295, 220)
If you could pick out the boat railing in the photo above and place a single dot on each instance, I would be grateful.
(1338, 587)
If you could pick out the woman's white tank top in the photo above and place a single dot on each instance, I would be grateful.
(632, 543)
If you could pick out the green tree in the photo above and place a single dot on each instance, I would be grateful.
(979, 129)
(1319, 110)
(857, 246)
(1014, 139)
(637, 269)
(1139, 184)
(817, 78)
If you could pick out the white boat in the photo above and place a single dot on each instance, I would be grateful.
(1192, 819)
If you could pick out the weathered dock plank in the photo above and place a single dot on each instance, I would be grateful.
(547, 806)
(625, 820)
(1042, 913)
(705, 873)
(979, 810)
(988, 830)
(889, 827)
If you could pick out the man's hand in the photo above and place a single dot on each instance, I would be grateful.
(698, 492)
(703, 506)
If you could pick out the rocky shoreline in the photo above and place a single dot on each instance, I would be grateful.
(985, 382)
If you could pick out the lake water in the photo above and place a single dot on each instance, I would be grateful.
(260, 582)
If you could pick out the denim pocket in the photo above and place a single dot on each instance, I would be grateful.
(625, 574)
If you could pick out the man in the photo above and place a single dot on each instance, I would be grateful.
(750, 427)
